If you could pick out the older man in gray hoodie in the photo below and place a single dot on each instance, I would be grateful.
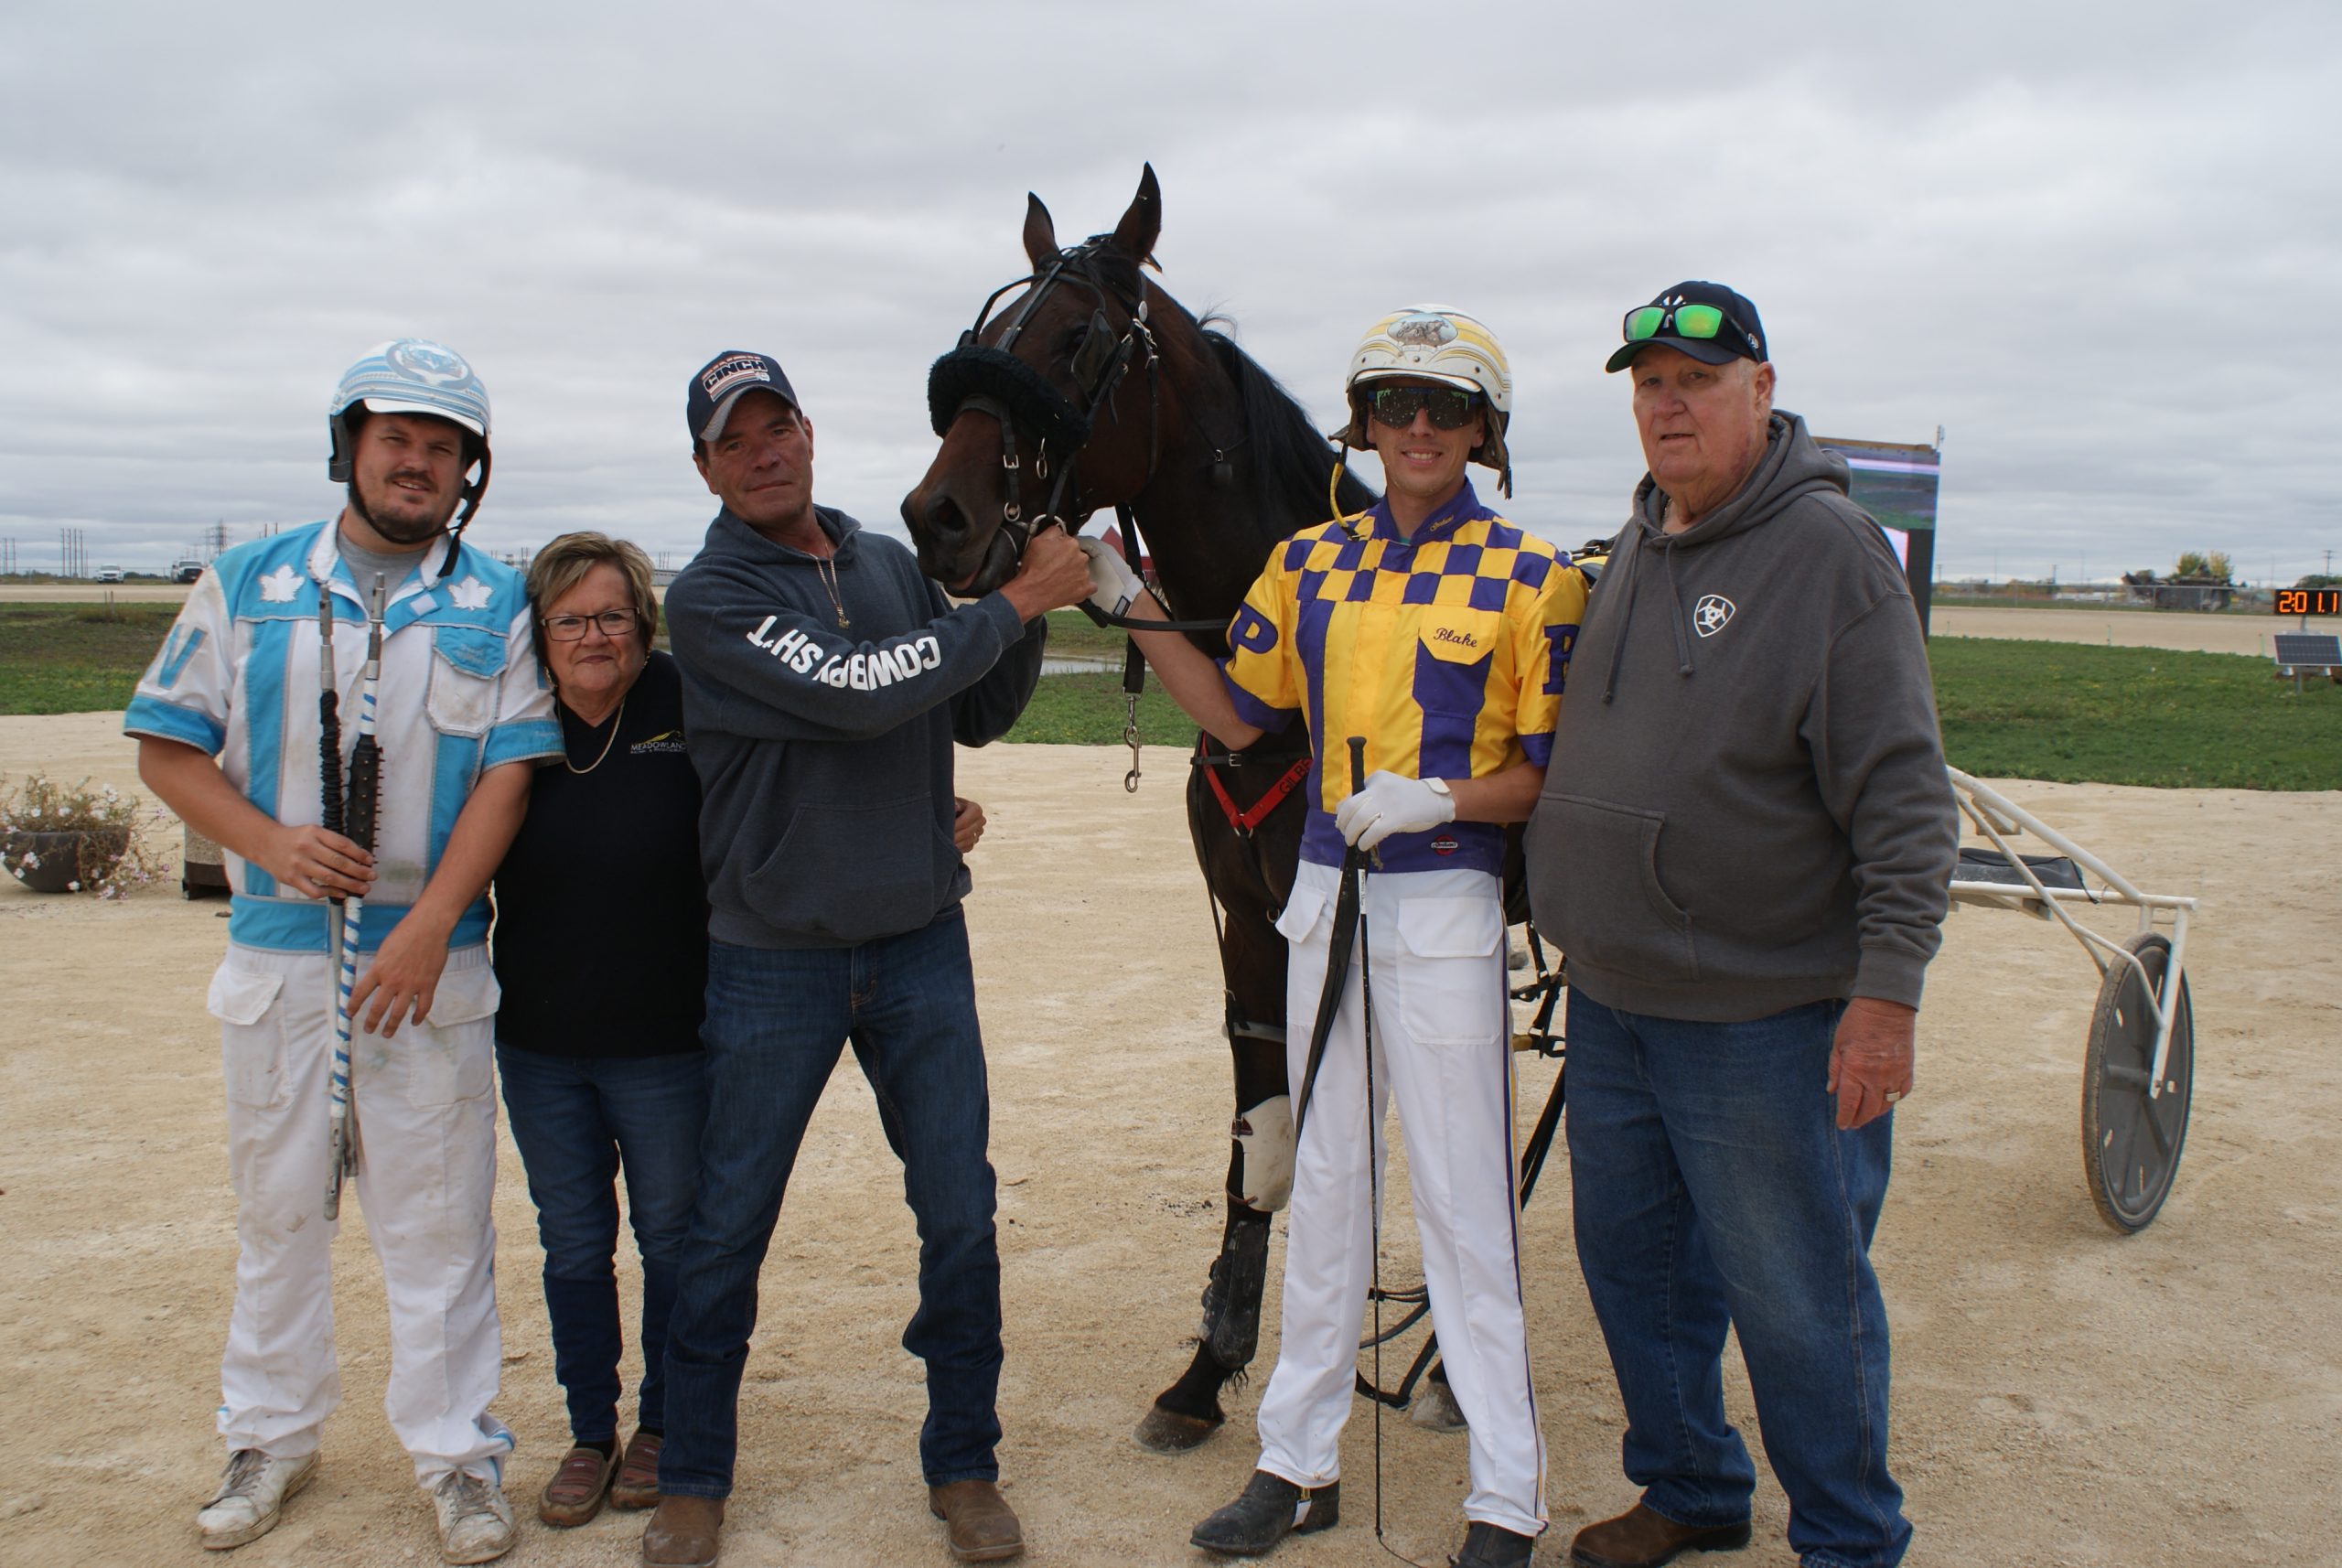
(1742, 845)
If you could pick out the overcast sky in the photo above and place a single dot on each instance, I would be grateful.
(2099, 244)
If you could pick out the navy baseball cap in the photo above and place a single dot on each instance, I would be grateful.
(722, 382)
(1728, 329)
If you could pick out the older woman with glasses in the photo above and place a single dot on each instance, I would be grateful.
(601, 948)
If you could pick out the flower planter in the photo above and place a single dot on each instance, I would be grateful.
(52, 861)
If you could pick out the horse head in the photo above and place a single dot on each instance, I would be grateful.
(1050, 409)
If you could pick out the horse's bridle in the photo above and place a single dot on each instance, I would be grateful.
(990, 378)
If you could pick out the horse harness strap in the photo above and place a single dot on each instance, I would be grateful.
(989, 378)
(1244, 819)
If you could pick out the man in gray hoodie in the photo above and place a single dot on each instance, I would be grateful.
(824, 685)
(1742, 845)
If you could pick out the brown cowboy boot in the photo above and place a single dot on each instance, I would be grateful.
(978, 1523)
(684, 1533)
(1641, 1538)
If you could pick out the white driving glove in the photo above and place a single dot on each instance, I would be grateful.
(1394, 803)
(1113, 585)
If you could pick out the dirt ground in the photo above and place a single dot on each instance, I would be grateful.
(2179, 629)
(2062, 1395)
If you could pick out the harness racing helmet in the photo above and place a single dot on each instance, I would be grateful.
(1435, 342)
(413, 375)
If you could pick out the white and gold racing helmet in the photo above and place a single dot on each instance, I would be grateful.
(1441, 344)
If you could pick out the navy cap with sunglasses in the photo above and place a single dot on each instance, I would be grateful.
(1706, 320)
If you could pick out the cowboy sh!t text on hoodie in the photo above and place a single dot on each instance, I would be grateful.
(824, 752)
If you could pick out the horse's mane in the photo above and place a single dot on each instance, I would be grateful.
(1289, 459)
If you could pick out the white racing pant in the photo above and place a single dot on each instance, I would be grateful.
(1435, 941)
(426, 1171)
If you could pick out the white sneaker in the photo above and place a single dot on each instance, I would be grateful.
(475, 1521)
(252, 1495)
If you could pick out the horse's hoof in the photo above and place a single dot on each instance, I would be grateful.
(1434, 1407)
(1169, 1432)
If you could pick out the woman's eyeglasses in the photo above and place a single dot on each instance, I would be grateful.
(615, 624)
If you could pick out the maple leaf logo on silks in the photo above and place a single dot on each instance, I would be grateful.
(277, 588)
(471, 593)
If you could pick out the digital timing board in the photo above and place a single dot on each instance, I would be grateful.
(2309, 601)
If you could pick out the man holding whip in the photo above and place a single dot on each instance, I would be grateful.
(1437, 634)
(459, 716)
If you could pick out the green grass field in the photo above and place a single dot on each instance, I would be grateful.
(72, 659)
(2070, 712)
(2079, 714)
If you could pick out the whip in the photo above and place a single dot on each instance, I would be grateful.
(1337, 955)
(358, 803)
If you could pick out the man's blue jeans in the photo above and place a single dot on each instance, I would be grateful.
(577, 1119)
(776, 1019)
(1711, 1186)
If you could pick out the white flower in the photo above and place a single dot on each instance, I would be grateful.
(31, 860)
(72, 887)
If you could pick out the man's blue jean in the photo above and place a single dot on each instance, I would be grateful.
(775, 1020)
(577, 1121)
(1711, 1187)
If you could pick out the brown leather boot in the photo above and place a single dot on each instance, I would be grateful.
(684, 1534)
(1640, 1538)
(978, 1523)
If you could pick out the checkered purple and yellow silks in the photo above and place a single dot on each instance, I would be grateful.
(1448, 651)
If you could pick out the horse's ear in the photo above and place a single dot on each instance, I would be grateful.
(1136, 235)
(1040, 233)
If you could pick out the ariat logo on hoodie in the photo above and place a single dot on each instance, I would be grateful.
(1711, 615)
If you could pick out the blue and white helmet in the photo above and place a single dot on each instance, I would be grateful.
(406, 375)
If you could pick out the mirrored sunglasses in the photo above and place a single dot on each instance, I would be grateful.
(1451, 408)
(1699, 322)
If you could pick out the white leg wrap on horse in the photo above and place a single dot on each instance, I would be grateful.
(1265, 1134)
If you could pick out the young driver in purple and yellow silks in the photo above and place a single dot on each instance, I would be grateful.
(1440, 633)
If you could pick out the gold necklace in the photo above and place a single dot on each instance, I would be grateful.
(616, 720)
(825, 567)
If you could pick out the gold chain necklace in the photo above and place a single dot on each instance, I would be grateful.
(825, 567)
(616, 719)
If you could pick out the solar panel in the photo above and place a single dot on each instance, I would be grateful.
(2308, 648)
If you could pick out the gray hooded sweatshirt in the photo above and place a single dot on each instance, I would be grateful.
(824, 753)
(1746, 809)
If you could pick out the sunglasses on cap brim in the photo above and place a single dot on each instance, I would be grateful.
(1450, 408)
(1698, 323)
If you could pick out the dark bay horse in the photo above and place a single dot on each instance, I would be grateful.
(1094, 389)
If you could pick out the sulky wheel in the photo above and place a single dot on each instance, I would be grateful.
(2131, 1142)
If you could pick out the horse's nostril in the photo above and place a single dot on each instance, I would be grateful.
(943, 517)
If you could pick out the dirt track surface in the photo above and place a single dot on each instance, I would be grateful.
(2063, 1396)
(2177, 630)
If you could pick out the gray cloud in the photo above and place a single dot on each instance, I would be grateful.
(2095, 242)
